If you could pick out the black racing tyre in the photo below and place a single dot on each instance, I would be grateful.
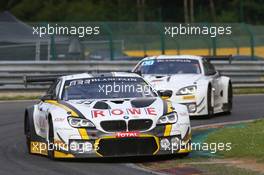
(230, 98)
(50, 140)
(27, 133)
(183, 155)
(210, 107)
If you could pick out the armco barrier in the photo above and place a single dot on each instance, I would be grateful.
(243, 73)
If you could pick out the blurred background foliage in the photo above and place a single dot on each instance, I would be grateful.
(248, 11)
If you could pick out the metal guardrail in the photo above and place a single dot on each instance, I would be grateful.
(242, 73)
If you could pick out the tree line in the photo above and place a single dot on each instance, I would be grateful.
(248, 11)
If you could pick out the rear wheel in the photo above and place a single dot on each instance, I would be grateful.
(210, 108)
(50, 139)
(230, 98)
(227, 107)
(28, 134)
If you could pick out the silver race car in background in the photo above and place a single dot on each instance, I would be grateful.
(105, 115)
(192, 81)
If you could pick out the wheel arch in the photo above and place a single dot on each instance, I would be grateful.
(28, 119)
(225, 82)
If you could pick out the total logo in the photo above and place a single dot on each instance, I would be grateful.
(126, 134)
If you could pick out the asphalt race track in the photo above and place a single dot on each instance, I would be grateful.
(15, 160)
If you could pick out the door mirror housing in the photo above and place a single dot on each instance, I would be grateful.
(165, 94)
(47, 97)
(138, 72)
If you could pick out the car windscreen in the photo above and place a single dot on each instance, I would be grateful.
(170, 66)
(106, 88)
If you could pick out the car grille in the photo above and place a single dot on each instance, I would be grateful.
(127, 146)
(139, 125)
(114, 125)
(121, 125)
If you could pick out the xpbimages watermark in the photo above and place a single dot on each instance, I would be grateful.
(196, 146)
(77, 147)
(124, 88)
(55, 29)
(88, 147)
(188, 29)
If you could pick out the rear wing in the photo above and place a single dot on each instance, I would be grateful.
(219, 58)
(40, 79)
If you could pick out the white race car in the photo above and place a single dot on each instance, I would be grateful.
(192, 80)
(105, 115)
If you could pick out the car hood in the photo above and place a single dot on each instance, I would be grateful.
(172, 82)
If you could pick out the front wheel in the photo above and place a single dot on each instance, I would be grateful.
(28, 134)
(210, 108)
(50, 139)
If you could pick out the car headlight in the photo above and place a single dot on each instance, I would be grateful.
(168, 119)
(187, 90)
(80, 123)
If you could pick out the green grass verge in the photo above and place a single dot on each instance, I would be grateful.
(247, 141)
(216, 169)
(19, 97)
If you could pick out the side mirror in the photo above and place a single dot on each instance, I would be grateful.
(47, 97)
(218, 73)
(165, 94)
(138, 72)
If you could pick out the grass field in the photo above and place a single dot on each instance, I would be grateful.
(247, 141)
(245, 158)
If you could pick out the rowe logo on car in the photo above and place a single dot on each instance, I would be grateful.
(129, 111)
(127, 134)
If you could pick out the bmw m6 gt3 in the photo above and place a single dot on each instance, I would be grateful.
(105, 115)
(192, 80)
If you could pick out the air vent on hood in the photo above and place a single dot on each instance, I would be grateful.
(159, 76)
(101, 105)
(117, 101)
(142, 103)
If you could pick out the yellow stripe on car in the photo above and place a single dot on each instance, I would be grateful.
(188, 97)
(186, 150)
(54, 102)
(167, 130)
(170, 108)
(168, 127)
(82, 131)
(38, 148)
(58, 154)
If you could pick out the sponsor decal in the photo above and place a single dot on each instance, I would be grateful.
(148, 63)
(154, 81)
(183, 113)
(59, 119)
(127, 134)
(106, 79)
(121, 112)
